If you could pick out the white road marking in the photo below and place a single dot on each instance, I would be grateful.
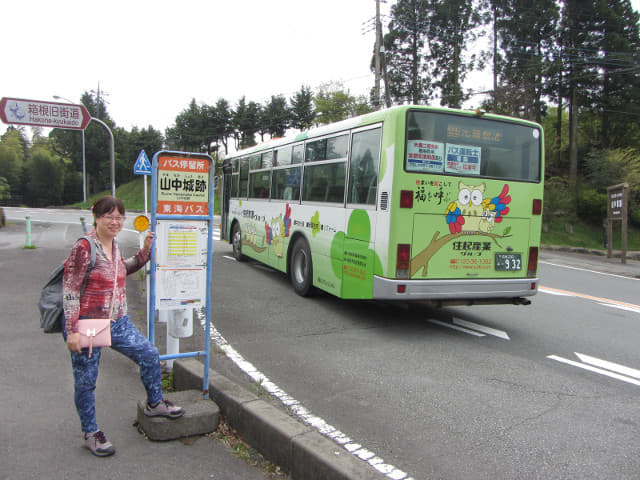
(615, 367)
(590, 271)
(303, 413)
(482, 328)
(601, 371)
(456, 327)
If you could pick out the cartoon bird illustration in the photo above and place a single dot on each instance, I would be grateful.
(286, 222)
(497, 206)
(467, 209)
(476, 213)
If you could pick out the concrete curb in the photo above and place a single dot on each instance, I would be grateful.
(299, 450)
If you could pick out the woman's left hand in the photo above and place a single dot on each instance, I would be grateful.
(148, 241)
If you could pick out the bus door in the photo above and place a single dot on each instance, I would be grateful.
(226, 196)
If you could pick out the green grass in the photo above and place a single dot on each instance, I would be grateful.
(586, 235)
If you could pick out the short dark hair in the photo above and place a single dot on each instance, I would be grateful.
(106, 205)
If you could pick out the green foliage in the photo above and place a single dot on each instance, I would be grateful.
(334, 103)
(407, 62)
(302, 110)
(4, 189)
(557, 199)
(585, 235)
(12, 155)
(46, 179)
(592, 206)
(276, 116)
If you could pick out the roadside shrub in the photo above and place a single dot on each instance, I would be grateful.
(592, 206)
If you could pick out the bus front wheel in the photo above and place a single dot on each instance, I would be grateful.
(301, 269)
(236, 243)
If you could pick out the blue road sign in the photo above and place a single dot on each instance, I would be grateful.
(142, 165)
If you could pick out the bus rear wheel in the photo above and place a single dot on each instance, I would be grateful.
(301, 269)
(236, 243)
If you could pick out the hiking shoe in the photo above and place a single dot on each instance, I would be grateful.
(164, 409)
(98, 444)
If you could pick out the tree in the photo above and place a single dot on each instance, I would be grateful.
(45, 173)
(12, 156)
(188, 133)
(406, 58)
(246, 121)
(334, 103)
(223, 123)
(130, 144)
(302, 110)
(524, 62)
(451, 27)
(276, 117)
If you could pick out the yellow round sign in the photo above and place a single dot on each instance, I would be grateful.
(141, 223)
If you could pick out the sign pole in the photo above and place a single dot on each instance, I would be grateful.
(618, 209)
(181, 262)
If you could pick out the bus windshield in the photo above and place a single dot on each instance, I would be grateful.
(472, 146)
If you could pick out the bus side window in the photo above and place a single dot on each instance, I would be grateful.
(244, 177)
(363, 167)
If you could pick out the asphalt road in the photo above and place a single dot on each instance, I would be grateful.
(495, 392)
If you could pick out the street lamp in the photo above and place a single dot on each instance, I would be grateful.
(84, 173)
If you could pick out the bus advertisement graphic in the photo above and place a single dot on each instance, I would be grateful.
(183, 186)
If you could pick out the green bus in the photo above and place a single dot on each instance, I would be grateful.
(408, 203)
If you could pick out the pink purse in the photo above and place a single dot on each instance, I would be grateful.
(96, 332)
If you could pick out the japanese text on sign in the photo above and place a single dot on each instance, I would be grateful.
(425, 156)
(46, 114)
(183, 186)
(463, 159)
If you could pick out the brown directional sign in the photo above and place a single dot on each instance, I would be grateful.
(44, 114)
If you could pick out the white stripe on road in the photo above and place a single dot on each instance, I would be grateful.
(616, 367)
(456, 327)
(482, 328)
(590, 271)
(591, 368)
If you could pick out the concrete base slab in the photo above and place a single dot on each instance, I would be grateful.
(201, 416)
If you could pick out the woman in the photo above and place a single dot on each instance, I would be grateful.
(95, 302)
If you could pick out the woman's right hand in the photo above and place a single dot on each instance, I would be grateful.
(73, 342)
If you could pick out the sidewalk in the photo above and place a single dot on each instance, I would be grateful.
(40, 433)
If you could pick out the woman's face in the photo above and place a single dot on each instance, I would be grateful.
(110, 223)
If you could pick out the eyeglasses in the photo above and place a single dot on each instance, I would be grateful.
(114, 218)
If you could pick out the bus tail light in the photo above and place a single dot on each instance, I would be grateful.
(403, 260)
(537, 206)
(406, 199)
(532, 266)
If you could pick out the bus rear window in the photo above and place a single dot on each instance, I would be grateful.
(472, 146)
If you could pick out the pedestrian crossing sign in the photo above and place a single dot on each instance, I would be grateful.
(142, 165)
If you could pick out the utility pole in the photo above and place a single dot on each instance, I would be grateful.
(377, 57)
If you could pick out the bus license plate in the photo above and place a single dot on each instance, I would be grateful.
(508, 262)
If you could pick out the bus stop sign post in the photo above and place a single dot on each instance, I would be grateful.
(181, 262)
(617, 209)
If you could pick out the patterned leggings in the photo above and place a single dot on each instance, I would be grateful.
(126, 339)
